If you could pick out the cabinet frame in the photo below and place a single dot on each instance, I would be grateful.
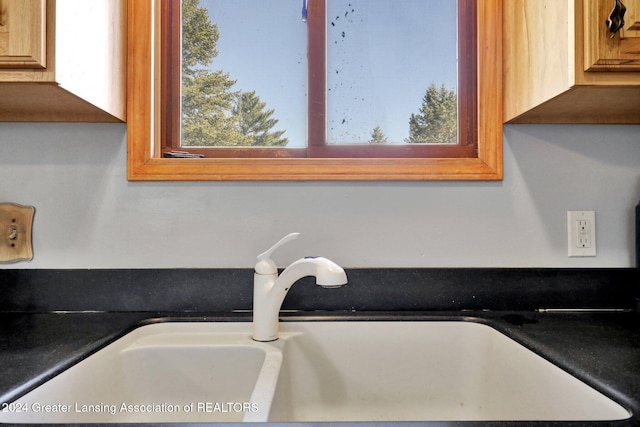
(544, 69)
(84, 79)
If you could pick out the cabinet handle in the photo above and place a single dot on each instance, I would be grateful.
(616, 18)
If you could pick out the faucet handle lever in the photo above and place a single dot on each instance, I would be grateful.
(265, 264)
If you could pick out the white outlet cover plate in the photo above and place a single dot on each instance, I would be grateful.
(573, 233)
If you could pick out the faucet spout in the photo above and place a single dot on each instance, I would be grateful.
(269, 291)
(328, 274)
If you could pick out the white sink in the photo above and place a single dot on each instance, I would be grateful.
(317, 371)
(164, 372)
(424, 371)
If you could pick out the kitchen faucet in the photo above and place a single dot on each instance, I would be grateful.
(269, 289)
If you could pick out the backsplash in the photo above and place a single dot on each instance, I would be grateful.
(89, 216)
(368, 290)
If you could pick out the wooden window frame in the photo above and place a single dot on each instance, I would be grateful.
(148, 120)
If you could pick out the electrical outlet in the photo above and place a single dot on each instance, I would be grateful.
(16, 223)
(581, 232)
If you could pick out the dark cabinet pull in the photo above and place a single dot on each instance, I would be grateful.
(616, 18)
(3, 13)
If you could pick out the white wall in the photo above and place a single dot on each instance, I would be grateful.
(89, 216)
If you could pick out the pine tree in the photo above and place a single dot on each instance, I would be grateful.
(255, 121)
(206, 95)
(209, 102)
(378, 136)
(437, 121)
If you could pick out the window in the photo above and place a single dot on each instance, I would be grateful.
(156, 108)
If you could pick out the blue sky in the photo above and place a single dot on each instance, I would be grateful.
(382, 55)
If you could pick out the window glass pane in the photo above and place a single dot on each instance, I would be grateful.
(244, 73)
(391, 71)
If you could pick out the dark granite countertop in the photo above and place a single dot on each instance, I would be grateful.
(602, 348)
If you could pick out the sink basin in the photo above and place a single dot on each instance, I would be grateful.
(316, 371)
(165, 372)
(424, 371)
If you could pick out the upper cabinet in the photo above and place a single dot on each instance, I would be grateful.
(562, 65)
(63, 60)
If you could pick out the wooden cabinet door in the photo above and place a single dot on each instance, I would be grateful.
(22, 33)
(603, 52)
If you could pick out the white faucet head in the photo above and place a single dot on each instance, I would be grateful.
(331, 275)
